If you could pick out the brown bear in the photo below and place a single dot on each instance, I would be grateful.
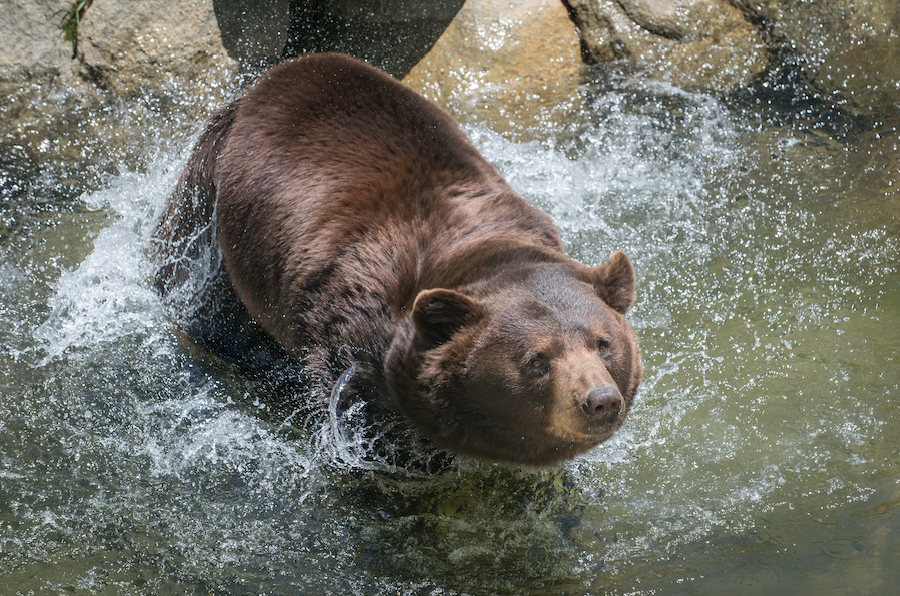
(362, 230)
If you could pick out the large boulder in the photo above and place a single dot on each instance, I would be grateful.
(91, 99)
(31, 42)
(130, 47)
(848, 51)
(61, 103)
(693, 44)
(508, 65)
(124, 47)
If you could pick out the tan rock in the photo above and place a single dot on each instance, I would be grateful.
(509, 65)
(130, 47)
(31, 41)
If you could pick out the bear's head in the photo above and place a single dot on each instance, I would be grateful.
(535, 367)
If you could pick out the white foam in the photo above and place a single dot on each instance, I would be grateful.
(108, 296)
(200, 432)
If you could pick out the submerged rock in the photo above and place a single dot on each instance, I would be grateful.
(847, 50)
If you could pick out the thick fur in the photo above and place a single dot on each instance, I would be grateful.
(359, 226)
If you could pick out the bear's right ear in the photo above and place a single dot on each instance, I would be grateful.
(440, 313)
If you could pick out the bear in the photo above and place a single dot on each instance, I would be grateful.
(356, 224)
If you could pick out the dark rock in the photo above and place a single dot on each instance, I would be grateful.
(392, 35)
(698, 45)
(253, 33)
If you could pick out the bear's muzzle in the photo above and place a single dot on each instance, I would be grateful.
(604, 404)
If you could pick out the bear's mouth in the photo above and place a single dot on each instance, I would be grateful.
(557, 438)
(563, 437)
(596, 433)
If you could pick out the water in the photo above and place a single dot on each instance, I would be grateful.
(761, 456)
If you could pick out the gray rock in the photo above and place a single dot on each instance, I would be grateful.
(31, 42)
(698, 45)
(847, 50)
(177, 61)
(128, 47)
(64, 113)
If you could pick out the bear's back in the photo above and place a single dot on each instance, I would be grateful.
(348, 178)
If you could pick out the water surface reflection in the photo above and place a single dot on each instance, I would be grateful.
(761, 455)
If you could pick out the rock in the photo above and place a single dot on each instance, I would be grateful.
(129, 47)
(508, 65)
(140, 62)
(392, 35)
(668, 18)
(847, 50)
(31, 42)
(253, 33)
(697, 45)
(138, 65)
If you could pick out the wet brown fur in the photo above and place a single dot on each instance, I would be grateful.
(360, 226)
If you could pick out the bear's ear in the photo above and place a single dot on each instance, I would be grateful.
(614, 282)
(440, 313)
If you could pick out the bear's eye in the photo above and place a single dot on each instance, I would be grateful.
(603, 347)
(537, 365)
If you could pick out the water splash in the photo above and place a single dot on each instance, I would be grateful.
(765, 306)
(108, 296)
(354, 438)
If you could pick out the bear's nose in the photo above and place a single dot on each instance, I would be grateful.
(604, 404)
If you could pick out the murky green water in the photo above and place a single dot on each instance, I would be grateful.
(761, 458)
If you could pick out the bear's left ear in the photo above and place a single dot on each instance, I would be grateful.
(614, 282)
(440, 313)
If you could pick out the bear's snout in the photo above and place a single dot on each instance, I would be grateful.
(604, 404)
